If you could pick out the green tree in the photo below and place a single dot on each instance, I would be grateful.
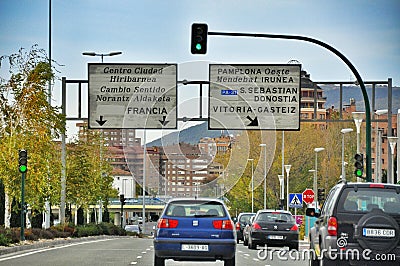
(28, 121)
(89, 178)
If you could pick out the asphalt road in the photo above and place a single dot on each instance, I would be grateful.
(133, 251)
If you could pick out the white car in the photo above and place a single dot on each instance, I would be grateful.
(133, 228)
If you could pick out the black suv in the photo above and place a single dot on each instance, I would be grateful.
(358, 223)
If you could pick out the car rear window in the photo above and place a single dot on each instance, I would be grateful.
(195, 209)
(275, 217)
(366, 199)
(245, 218)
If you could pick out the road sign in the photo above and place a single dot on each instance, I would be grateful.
(308, 196)
(137, 96)
(254, 97)
(295, 200)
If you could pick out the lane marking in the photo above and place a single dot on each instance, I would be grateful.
(52, 248)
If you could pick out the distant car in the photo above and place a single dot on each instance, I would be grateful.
(246, 231)
(357, 218)
(133, 228)
(274, 228)
(242, 220)
(195, 230)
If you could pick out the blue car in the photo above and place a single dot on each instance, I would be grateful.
(195, 230)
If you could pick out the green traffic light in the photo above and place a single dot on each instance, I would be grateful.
(23, 168)
(359, 172)
(198, 46)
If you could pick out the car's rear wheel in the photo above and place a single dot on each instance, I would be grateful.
(158, 261)
(378, 220)
(230, 262)
(294, 246)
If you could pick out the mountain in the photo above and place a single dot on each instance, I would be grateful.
(190, 135)
(331, 92)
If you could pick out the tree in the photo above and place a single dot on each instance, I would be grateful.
(89, 178)
(28, 121)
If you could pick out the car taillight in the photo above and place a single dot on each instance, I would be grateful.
(377, 185)
(256, 226)
(294, 228)
(167, 223)
(332, 226)
(237, 226)
(223, 224)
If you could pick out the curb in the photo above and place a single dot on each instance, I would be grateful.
(52, 243)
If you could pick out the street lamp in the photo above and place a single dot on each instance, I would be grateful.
(252, 184)
(265, 174)
(344, 131)
(378, 151)
(102, 55)
(316, 150)
(282, 189)
(392, 142)
(287, 168)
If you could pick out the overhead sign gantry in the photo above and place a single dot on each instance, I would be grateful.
(251, 97)
(135, 96)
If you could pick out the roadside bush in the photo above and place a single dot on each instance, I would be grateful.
(11, 236)
(5, 236)
(87, 230)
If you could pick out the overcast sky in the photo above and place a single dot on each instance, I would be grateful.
(367, 32)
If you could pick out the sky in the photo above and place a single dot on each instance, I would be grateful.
(367, 32)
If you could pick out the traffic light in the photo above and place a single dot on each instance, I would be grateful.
(23, 161)
(321, 194)
(122, 199)
(199, 38)
(359, 164)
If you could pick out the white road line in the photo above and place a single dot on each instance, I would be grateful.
(139, 257)
(53, 248)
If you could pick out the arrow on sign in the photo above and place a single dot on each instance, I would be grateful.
(254, 122)
(101, 121)
(163, 122)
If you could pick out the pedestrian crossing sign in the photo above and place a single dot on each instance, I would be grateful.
(295, 200)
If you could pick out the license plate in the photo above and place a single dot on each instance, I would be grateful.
(193, 247)
(275, 237)
(375, 232)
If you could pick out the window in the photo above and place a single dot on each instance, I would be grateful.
(195, 209)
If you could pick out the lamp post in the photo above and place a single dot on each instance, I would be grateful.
(316, 150)
(252, 184)
(282, 189)
(378, 151)
(392, 142)
(344, 131)
(287, 168)
(358, 118)
(101, 55)
(265, 174)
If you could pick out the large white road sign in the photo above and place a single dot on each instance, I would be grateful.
(254, 97)
(137, 96)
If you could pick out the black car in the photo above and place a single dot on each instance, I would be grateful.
(242, 220)
(274, 228)
(358, 223)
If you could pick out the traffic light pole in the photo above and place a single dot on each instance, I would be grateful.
(23, 206)
(345, 60)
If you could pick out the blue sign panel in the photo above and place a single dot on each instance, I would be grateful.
(295, 200)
